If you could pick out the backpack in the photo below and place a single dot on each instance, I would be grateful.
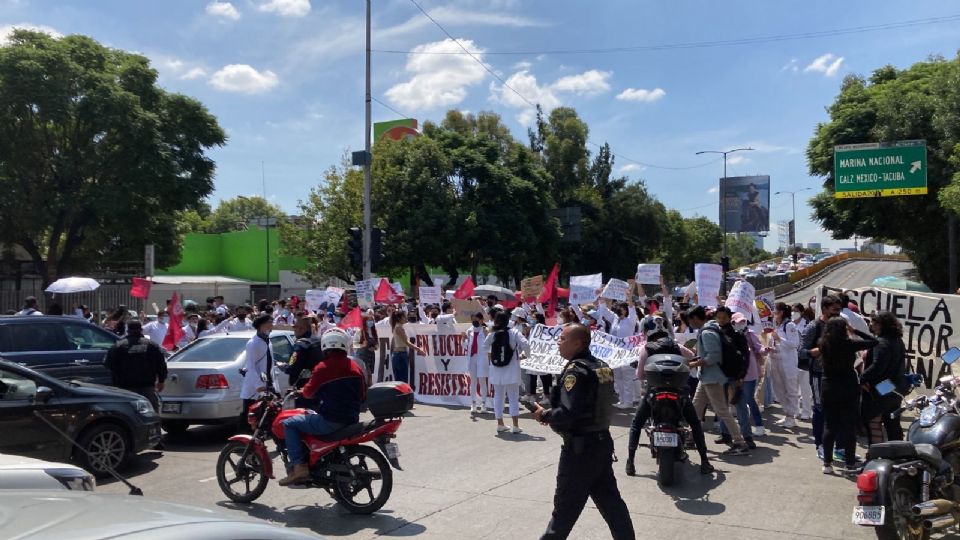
(733, 364)
(501, 353)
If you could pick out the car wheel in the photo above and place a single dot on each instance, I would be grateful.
(106, 447)
(174, 427)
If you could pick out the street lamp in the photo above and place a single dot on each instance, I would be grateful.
(793, 204)
(723, 220)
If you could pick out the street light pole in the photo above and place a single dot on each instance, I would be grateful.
(793, 204)
(723, 218)
(367, 173)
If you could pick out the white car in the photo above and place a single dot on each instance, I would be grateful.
(23, 473)
(744, 271)
(784, 267)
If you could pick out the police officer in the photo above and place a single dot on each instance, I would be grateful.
(137, 364)
(580, 410)
(306, 355)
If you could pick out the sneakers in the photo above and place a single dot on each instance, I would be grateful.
(706, 468)
(787, 422)
(758, 431)
(473, 409)
(820, 453)
(621, 405)
(501, 429)
(516, 430)
(750, 444)
(805, 418)
(724, 439)
(631, 470)
(827, 469)
(740, 450)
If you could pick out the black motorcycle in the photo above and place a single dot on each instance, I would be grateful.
(666, 378)
(908, 489)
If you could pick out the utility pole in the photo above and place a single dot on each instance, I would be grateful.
(367, 163)
(266, 224)
(793, 203)
(724, 260)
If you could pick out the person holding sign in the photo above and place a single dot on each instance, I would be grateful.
(624, 325)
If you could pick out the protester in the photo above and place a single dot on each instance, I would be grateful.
(117, 322)
(241, 322)
(886, 361)
(191, 330)
(802, 316)
(399, 347)
(29, 307)
(785, 371)
(137, 364)
(504, 345)
(841, 389)
(258, 359)
(479, 365)
(744, 392)
(157, 329)
(366, 343)
(733, 388)
(622, 323)
(809, 358)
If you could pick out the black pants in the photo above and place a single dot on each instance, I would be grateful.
(586, 470)
(242, 423)
(840, 418)
(148, 392)
(545, 380)
(689, 414)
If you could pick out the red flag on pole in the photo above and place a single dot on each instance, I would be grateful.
(140, 288)
(175, 329)
(465, 290)
(549, 293)
(352, 320)
(385, 293)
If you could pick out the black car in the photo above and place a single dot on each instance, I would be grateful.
(110, 424)
(63, 347)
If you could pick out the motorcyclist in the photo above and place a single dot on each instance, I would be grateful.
(339, 385)
(660, 342)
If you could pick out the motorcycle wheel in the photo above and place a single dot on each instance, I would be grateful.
(240, 482)
(371, 484)
(665, 459)
(900, 525)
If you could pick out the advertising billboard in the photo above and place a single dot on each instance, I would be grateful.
(745, 204)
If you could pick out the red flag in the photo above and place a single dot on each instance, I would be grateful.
(140, 288)
(385, 293)
(352, 320)
(175, 329)
(549, 293)
(465, 290)
(509, 304)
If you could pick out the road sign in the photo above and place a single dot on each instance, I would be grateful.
(880, 170)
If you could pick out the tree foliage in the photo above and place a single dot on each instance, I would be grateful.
(230, 215)
(95, 159)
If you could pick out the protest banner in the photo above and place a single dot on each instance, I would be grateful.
(365, 292)
(616, 289)
(741, 298)
(465, 309)
(708, 278)
(313, 298)
(648, 274)
(764, 305)
(545, 356)
(430, 295)
(585, 289)
(531, 287)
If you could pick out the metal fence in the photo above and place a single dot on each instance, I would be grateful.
(106, 298)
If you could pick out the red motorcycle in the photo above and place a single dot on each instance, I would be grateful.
(358, 476)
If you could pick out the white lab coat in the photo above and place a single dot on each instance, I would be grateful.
(511, 373)
(255, 362)
(238, 325)
(156, 331)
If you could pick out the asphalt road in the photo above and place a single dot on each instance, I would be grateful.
(851, 276)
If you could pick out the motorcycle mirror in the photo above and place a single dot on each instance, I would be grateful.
(305, 374)
(885, 387)
(951, 356)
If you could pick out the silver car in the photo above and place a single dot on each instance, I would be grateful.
(203, 380)
(24, 473)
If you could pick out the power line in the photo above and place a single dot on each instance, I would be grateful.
(532, 104)
(703, 44)
(400, 114)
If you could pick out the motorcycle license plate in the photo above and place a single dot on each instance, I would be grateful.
(171, 407)
(868, 515)
(393, 451)
(665, 439)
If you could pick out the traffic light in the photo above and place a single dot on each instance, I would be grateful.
(378, 248)
(355, 247)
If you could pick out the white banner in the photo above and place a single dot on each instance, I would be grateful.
(585, 289)
(708, 278)
(430, 295)
(545, 354)
(648, 274)
(323, 301)
(741, 298)
(616, 289)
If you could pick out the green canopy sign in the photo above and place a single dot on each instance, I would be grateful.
(880, 170)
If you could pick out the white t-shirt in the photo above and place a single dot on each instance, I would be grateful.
(156, 331)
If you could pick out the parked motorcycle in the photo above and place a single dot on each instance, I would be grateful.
(357, 475)
(666, 378)
(908, 489)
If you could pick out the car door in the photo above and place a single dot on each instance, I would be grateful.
(36, 343)
(23, 433)
(89, 345)
(282, 350)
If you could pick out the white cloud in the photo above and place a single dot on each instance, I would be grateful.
(828, 64)
(7, 30)
(519, 66)
(438, 80)
(587, 83)
(286, 8)
(737, 160)
(632, 167)
(243, 79)
(194, 73)
(641, 95)
(223, 9)
(548, 96)
(714, 189)
(793, 65)
(175, 68)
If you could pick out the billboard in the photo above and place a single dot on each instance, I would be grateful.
(745, 204)
(396, 129)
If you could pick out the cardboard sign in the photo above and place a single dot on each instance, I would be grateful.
(531, 287)
(585, 289)
(708, 278)
(741, 298)
(616, 289)
(465, 309)
(430, 295)
(648, 274)
(365, 292)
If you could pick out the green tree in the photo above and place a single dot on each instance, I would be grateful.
(236, 213)
(743, 250)
(95, 159)
(688, 241)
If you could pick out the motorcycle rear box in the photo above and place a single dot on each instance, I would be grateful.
(389, 399)
(666, 371)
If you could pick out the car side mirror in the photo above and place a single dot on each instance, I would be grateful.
(43, 394)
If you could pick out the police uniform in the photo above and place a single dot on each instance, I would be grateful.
(580, 411)
(137, 364)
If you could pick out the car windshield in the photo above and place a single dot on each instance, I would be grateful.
(212, 350)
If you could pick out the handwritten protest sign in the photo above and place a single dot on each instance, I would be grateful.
(648, 274)
(708, 278)
(531, 287)
(545, 356)
(465, 309)
(741, 298)
(430, 295)
(585, 289)
(616, 289)
(365, 292)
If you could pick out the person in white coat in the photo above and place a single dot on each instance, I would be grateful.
(623, 325)
(806, 391)
(157, 330)
(505, 379)
(258, 358)
(479, 365)
(784, 370)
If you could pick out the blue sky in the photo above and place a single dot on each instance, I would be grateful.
(285, 77)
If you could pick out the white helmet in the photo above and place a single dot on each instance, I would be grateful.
(654, 325)
(335, 338)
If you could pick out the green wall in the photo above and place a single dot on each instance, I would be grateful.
(239, 254)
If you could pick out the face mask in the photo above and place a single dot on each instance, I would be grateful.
(740, 327)
(490, 324)
(476, 324)
(796, 316)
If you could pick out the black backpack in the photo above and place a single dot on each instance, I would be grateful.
(501, 353)
(733, 364)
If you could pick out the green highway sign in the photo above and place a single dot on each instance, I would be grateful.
(880, 170)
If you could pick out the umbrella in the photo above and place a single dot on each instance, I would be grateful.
(73, 285)
(891, 282)
(501, 293)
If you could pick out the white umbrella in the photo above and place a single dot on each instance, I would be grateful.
(73, 285)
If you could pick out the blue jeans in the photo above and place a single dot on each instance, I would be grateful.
(743, 413)
(767, 391)
(400, 363)
(749, 394)
(304, 424)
